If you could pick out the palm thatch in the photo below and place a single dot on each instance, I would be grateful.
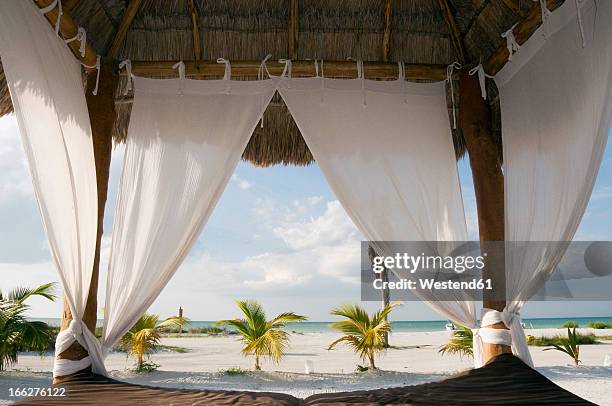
(328, 29)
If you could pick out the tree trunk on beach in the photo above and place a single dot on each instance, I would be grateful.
(102, 117)
(384, 277)
(485, 160)
(371, 361)
(257, 367)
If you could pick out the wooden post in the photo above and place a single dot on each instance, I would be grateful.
(102, 117)
(476, 125)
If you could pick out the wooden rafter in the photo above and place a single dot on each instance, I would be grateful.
(68, 5)
(522, 32)
(453, 29)
(69, 29)
(195, 31)
(515, 7)
(124, 26)
(293, 30)
(335, 69)
(386, 45)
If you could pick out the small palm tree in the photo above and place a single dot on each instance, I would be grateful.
(460, 343)
(17, 333)
(262, 337)
(363, 333)
(144, 337)
(569, 346)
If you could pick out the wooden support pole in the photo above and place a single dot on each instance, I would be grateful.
(195, 31)
(102, 117)
(69, 29)
(333, 69)
(386, 45)
(453, 30)
(476, 125)
(124, 26)
(515, 7)
(293, 30)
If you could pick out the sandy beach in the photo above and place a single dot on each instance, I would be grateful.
(414, 359)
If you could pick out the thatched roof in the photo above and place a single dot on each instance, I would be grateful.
(328, 29)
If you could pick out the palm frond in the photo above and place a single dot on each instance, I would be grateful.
(21, 294)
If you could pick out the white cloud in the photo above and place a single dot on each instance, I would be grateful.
(242, 183)
(15, 182)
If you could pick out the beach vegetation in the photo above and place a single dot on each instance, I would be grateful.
(461, 342)
(569, 346)
(144, 338)
(582, 339)
(234, 371)
(262, 338)
(17, 333)
(365, 334)
(599, 324)
(570, 324)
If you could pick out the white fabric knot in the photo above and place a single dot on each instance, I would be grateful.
(127, 64)
(511, 43)
(287, 68)
(263, 67)
(97, 67)
(482, 75)
(227, 75)
(80, 36)
(180, 65)
(450, 69)
(580, 23)
(546, 13)
(60, 12)
(360, 75)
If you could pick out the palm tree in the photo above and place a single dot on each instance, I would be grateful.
(144, 336)
(363, 333)
(17, 333)
(262, 337)
(569, 346)
(461, 342)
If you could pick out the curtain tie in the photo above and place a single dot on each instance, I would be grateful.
(263, 67)
(180, 65)
(450, 69)
(360, 75)
(482, 75)
(546, 13)
(511, 43)
(127, 64)
(401, 76)
(580, 23)
(322, 84)
(227, 75)
(60, 12)
(80, 36)
(97, 67)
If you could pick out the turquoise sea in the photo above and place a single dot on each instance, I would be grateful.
(399, 326)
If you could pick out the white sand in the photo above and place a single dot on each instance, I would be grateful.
(414, 360)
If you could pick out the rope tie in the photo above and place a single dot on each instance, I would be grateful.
(316, 68)
(401, 77)
(60, 12)
(180, 65)
(580, 23)
(97, 67)
(227, 75)
(127, 64)
(80, 36)
(450, 69)
(511, 43)
(263, 67)
(482, 75)
(287, 68)
(361, 76)
(546, 13)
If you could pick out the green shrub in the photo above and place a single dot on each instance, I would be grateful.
(582, 339)
(599, 324)
(570, 324)
(233, 371)
(569, 346)
(146, 367)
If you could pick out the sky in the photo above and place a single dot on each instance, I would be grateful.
(278, 235)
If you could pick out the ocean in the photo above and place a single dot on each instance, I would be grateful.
(398, 326)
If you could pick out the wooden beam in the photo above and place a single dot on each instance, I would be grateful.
(68, 5)
(515, 7)
(386, 45)
(522, 32)
(475, 120)
(333, 69)
(124, 26)
(195, 31)
(293, 30)
(68, 29)
(454, 30)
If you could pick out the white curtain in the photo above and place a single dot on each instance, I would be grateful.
(556, 105)
(184, 141)
(386, 150)
(45, 83)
